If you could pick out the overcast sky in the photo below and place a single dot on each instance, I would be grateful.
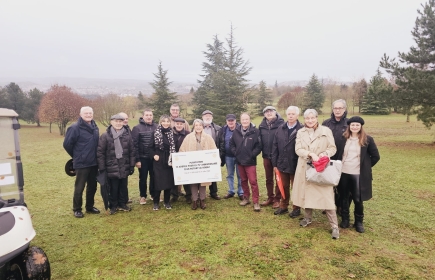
(283, 40)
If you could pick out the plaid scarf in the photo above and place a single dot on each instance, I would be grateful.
(158, 139)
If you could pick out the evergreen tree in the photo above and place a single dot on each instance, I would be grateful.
(15, 98)
(264, 97)
(414, 74)
(162, 98)
(141, 101)
(313, 96)
(224, 85)
(376, 100)
(33, 100)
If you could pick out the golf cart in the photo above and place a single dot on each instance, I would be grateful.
(17, 259)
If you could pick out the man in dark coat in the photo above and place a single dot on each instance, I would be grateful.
(338, 124)
(227, 157)
(142, 135)
(211, 129)
(246, 146)
(127, 127)
(81, 141)
(116, 156)
(268, 127)
(179, 135)
(285, 159)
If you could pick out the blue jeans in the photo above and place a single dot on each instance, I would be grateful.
(230, 163)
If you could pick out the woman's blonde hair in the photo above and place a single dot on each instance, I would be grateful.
(362, 136)
(164, 117)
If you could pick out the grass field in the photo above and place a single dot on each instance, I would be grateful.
(227, 241)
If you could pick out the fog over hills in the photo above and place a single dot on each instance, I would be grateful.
(84, 86)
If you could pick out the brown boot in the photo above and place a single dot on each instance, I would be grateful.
(202, 204)
(194, 205)
(267, 202)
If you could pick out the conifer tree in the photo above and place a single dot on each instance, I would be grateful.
(162, 98)
(314, 96)
(376, 100)
(414, 74)
(264, 97)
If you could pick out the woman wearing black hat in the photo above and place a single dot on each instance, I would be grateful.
(359, 156)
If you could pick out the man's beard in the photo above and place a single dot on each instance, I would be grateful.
(207, 122)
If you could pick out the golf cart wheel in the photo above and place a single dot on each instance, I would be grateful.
(31, 265)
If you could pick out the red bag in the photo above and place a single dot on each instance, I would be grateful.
(321, 164)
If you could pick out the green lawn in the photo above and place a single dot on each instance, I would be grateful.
(227, 241)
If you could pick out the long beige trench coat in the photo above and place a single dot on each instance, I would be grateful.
(305, 194)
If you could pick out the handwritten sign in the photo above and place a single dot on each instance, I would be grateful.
(196, 167)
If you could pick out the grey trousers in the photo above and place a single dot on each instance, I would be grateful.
(194, 189)
(331, 214)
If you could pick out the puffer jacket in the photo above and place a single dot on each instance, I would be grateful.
(267, 133)
(116, 168)
(337, 128)
(81, 141)
(284, 156)
(143, 139)
(246, 148)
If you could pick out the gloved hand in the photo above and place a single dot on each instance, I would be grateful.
(131, 170)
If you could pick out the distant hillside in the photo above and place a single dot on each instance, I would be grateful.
(85, 86)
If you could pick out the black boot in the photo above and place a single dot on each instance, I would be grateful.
(359, 227)
(344, 218)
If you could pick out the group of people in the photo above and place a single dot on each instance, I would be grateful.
(286, 146)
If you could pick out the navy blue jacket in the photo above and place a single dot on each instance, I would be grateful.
(81, 142)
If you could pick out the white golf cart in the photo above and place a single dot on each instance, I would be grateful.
(17, 259)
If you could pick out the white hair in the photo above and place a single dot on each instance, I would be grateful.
(199, 121)
(341, 101)
(310, 111)
(84, 108)
(294, 108)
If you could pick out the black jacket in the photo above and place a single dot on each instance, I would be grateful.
(179, 138)
(337, 128)
(143, 139)
(284, 156)
(246, 148)
(268, 133)
(221, 142)
(116, 168)
(81, 141)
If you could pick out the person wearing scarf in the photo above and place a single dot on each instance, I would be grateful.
(115, 155)
(163, 149)
(196, 141)
(312, 142)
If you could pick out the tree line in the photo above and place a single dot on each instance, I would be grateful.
(224, 88)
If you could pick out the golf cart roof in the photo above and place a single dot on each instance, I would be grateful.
(7, 113)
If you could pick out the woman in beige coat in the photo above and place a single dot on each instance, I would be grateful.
(197, 141)
(312, 142)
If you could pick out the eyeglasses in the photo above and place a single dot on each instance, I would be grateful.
(338, 108)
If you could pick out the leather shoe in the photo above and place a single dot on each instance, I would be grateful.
(275, 205)
(93, 211)
(217, 197)
(267, 202)
(78, 214)
(280, 211)
(241, 197)
(228, 196)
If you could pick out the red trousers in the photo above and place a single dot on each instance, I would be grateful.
(249, 173)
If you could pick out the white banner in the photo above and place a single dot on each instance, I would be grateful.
(196, 167)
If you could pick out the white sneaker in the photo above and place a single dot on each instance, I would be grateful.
(335, 233)
(143, 200)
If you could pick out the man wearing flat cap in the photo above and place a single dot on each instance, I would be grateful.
(81, 141)
(211, 129)
(268, 127)
(115, 155)
(227, 156)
